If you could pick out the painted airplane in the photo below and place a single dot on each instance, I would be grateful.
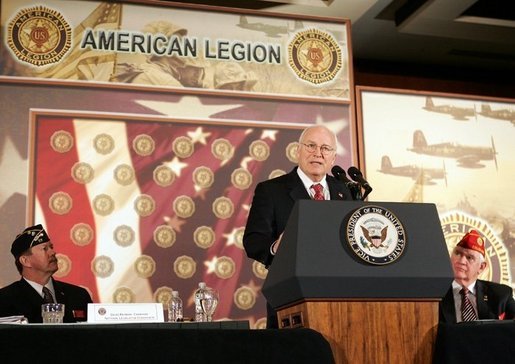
(415, 172)
(270, 30)
(466, 156)
(458, 113)
(501, 114)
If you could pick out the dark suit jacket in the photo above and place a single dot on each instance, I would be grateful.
(271, 206)
(493, 299)
(20, 298)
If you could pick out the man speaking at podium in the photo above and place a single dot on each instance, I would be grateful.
(469, 298)
(274, 199)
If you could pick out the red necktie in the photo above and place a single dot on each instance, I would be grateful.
(319, 194)
(467, 311)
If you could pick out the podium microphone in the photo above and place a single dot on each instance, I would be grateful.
(354, 188)
(357, 176)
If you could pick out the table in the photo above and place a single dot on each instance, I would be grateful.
(475, 342)
(210, 342)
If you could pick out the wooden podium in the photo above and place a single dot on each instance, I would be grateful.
(368, 313)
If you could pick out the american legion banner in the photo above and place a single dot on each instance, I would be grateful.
(176, 47)
(147, 129)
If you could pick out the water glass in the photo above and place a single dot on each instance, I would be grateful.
(52, 313)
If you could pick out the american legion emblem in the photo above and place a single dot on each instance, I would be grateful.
(375, 235)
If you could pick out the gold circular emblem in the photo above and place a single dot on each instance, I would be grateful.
(144, 205)
(183, 206)
(238, 237)
(222, 149)
(260, 324)
(102, 266)
(39, 36)
(315, 56)
(163, 295)
(164, 236)
(259, 269)
(145, 266)
(184, 267)
(455, 224)
(81, 234)
(124, 235)
(291, 152)
(241, 178)
(276, 173)
(103, 143)
(60, 203)
(143, 145)
(203, 177)
(124, 174)
(244, 298)
(259, 150)
(61, 141)
(65, 266)
(103, 204)
(163, 176)
(182, 147)
(204, 237)
(82, 172)
(223, 208)
(123, 295)
(225, 267)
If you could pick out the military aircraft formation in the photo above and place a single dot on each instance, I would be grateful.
(273, 31)
(466, 156)
(424, 174)
(458, 113)
(501, 114)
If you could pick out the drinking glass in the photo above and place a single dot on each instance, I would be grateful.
(52, 313)
(209, 302)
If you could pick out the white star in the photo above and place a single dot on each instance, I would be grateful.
(13, 170)
(176, 166)
(270, 134)
(335, 126)
(231, 237)
(245, 161)
(211, 265)
(198, 136)
(188, 106)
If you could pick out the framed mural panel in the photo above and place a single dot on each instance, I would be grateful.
(455, 151)
(177, 46)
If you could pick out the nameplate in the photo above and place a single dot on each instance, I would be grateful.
(111, 313)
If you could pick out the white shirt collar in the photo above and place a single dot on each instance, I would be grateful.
(308, 183)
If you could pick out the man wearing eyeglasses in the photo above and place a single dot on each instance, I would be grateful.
(274, 199)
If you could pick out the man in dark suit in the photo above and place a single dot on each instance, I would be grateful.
(488, 300)
(36, 261)
(274, 199)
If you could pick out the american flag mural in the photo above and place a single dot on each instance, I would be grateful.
(138, 208)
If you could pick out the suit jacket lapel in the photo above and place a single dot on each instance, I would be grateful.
(296, 187)
(483, 311)
(449, 310)
(335, 189)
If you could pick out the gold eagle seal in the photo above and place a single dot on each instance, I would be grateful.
(81, 234)
(315, 56)
(39, 36)
(61, 141)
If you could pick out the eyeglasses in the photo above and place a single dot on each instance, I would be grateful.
(324, 149)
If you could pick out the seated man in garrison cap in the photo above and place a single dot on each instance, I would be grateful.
(470, 298)
(35, 259)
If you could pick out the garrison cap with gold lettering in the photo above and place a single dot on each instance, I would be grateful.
(31, 236)
(472, 240)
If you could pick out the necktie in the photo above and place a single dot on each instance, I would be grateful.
(47, 296)
(319, 194)
(467, 311)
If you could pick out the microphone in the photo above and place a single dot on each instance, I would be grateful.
(354, 188)
(357, 176)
